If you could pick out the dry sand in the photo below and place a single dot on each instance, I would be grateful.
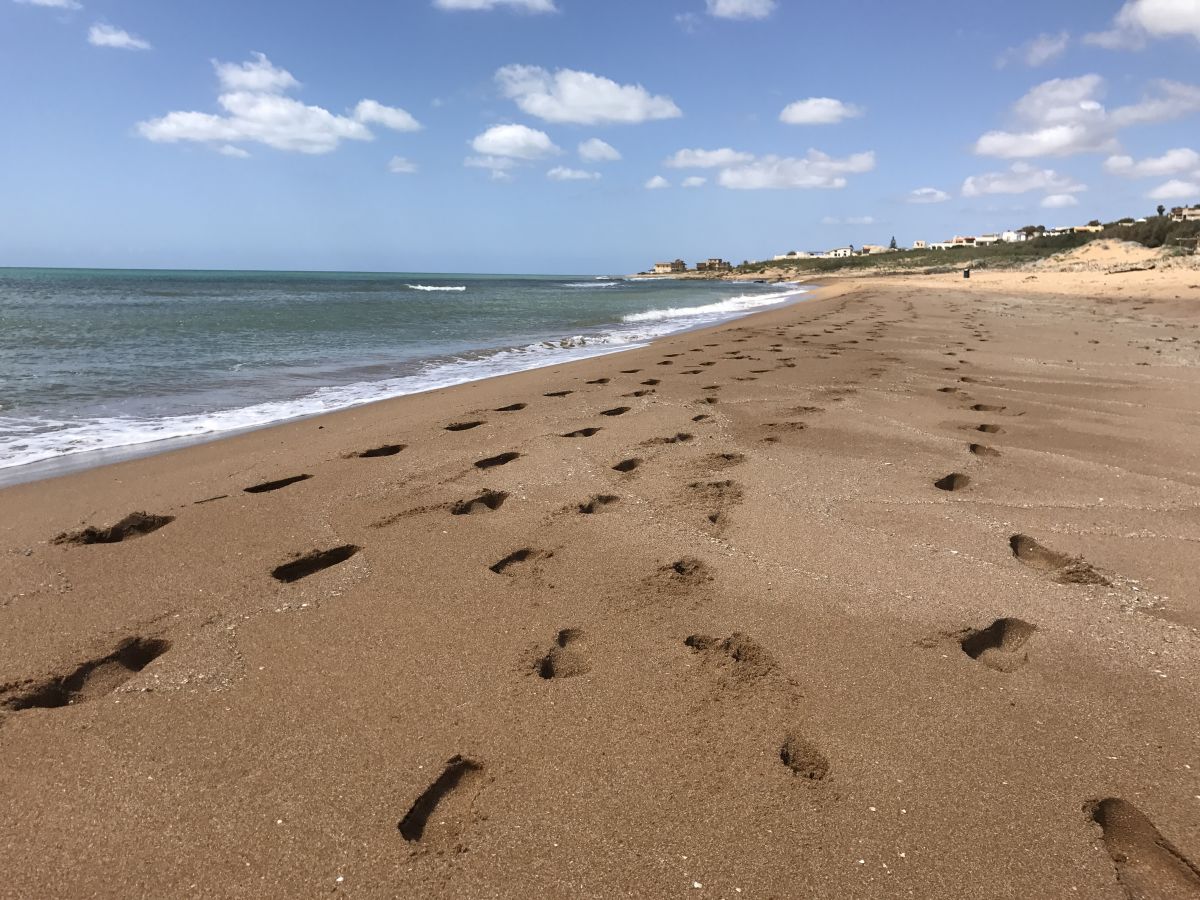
(892, 593)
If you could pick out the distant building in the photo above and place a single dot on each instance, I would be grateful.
(1185, 214)
(670, 268)
(871, 249)
(1014, 237)
(961, 241)
(920, 245)
(986, 240)
(712, 264)
(943, 245)
(1087, 229)
(839, 252)
(794, 254)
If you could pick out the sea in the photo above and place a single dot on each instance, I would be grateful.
(97, 365)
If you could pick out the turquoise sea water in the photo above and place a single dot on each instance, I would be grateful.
(95, 360)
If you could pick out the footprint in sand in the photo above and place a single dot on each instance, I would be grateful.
(600, 381)
(313, 562)
(955, 481)
(463, 426)
(596, 503)
(583, 433)
(378, 452)
(615, 411)
(1002, 646)
(627, 465)
(982, 450)
(558, 394)
(681, 438)
(512, 407)
(88, 681)
(493, 461)
(133, 525)
(803, 758)
(452, 796)
(1148, 866)
(568, 657)
(1057, 566)
(520, 557)
(268, 486)
(488, 501)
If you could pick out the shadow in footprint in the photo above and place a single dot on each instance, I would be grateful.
(983, 450)
(990, 429)
(1001, 646)
(517, 557)
(493, 461)
(567, 658)
(558, 394)
(94, 678)
(133, 525)
(512, 407)
(464, 426)
(597, 503)
(627, 465)
(1058, 566)
(488, 501)
(459, 774)
(599, 381)
(1149, 867)
(376, 452)
(803, 758)
(955, 481)
(268, 486)
(582, 432)
(311, 563)
(615, 411)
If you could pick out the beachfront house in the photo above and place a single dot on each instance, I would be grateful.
(794, 254)
(962, 241)
(1014, 237)
(942, 245)
(986, 240)
(920, 245)
(713, 264)
(871, 249)
(670, 268)
(839, 252)
(1186, 214)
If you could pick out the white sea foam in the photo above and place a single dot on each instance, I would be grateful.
(437, 287)
(590, 284)
(27, 440)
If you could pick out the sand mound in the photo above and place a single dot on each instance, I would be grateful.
(1100, 255)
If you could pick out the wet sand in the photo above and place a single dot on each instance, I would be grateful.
(889, 593)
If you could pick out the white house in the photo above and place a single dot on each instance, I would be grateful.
(920, 245)
(839, 252)
(1014, 237)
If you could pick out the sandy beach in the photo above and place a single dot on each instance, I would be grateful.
(889, 593)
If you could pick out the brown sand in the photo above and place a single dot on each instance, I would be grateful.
(770, 658)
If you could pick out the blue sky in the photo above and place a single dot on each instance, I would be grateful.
(234, 134)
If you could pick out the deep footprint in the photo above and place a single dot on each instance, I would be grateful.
(627, 465)
(512, 407)
(1001, 646)
(311, 563)
(464, 426)
(268, 486)
(582, 432)
(803, 758)
(501, 460)
(983, 450)
(524, 555)
(567, 658)
(597, 503)
(133, 525)
(1149, 867)
(94, 678)
(1059, 566)
(488, 501)
(459, 775)
(955, 481)
(377, 452)
(615, 411)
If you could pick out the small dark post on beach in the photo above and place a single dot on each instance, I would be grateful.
(966, 273)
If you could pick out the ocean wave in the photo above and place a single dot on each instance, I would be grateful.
(732, 306)
(436, 287)
(590, 284)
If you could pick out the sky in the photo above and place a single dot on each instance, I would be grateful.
(576, 136)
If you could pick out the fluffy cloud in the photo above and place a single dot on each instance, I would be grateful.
(1173, 162)
(1175, 189)
(257, 111)
(596, 150)
(514, 142)
(1139, 20)
(1037, 52)
(657, 183)
(815, 170)
(695, 181)
(1059, 201)
(53, 4)
(530, 6)
(818, 111)
(581, 97)
(1065, 116)
(928, 195)
(562, 173)
(108, 36)
(1020, 179)
(741, 9)
(231, 150)
(398, 165)
(849, 220)
(707, 159)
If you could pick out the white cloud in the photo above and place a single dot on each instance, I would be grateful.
(850, 220)
(657, 183)
(398, 165)
(529, 6)
(596, 150)
(1020, 179)
(1059, 201)
(581, 97)
(370, 112)
(515, 142)
(1064, 116)
(231, 150)
(562, 173)
(707, 159)
(53, 4)
(815, 170)
(1176, 189)
(741, 9)
(819, 111)
(928, 195)
(1173, 162)
(257, 111)
(108, 36)
(500, 167)
(1037, 52)
(695, 181)
(1139, 20)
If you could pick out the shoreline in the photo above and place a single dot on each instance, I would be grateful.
(708, 611)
